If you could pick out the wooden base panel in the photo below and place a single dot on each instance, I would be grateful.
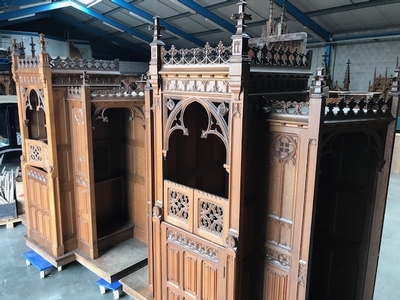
(113, 264)
(136, 284)
(58, 262)
(122, 234)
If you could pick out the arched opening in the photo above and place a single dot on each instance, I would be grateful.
(343, 217)
(119, 172)
(36, 118)
(194, 161)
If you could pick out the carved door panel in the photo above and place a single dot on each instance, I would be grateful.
(83, 168)
(192, 237)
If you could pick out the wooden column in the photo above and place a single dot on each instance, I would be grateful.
(154, 118)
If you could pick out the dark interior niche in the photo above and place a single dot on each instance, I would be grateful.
(194, 161)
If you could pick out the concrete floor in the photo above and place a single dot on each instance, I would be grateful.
(21, 282)
(387, 285)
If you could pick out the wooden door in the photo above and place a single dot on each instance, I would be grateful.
(343, 217)
(81, 137)
(192, 239)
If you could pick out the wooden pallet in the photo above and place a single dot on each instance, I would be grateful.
(9, 222)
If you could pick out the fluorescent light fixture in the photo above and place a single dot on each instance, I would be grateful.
(21, 17)
(141, 18)
(35, 4)
(184, 6)
(215, 24)
(85, 2)
(93, 3)
(112, 26)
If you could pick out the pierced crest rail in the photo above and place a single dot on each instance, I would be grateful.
(364, 107)
(84, 64)
(272, 56)
(207, 55)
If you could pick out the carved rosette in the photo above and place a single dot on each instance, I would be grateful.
(193, 245)
(232, 241)
(277, 257)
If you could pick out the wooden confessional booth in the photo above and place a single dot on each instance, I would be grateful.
(83, 162)
(261, 189)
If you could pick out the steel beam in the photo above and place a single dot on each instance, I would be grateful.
(209, 15)
(149, 17)
(305, 20)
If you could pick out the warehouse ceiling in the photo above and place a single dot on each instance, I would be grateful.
(119, 29)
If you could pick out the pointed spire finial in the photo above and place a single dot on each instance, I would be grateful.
(241, 17)
(42, 42)
(156, 27)
(270, 29)
(32, 47)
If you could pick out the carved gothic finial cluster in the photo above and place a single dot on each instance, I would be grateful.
(272, 28)
(156, 29)
(32, 44)
(42, 42)
(346, 80)
(241, 17)
(21, 48)
(282, 26)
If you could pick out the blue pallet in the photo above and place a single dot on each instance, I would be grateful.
(37, 261)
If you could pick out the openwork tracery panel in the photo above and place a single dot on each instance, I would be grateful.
(178, 205)
(178, 202)
(217, 114)
(211, 217)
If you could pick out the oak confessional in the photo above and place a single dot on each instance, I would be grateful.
(242, 182)
(83, 159)
(262, 189)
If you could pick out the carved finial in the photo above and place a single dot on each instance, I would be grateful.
(156, 28)
(395, 84)
(21, 49)
(241, 17)
(271, 24)
(14, 47)
(32, 47)
(346, 80)
(84, 78)
(282, 26)
(318, 81)
(42, 42)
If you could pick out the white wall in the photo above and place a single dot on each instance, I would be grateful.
(364, 57)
